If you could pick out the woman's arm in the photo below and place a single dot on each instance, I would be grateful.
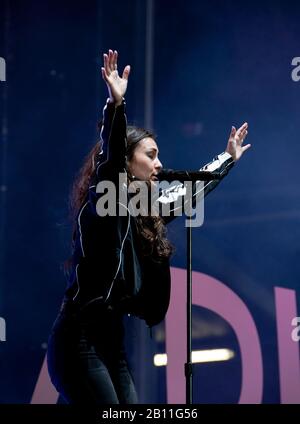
(220, 166)
(112, 159)
(113, 130)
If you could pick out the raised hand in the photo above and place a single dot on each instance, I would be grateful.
(116, 85)
(236, 139)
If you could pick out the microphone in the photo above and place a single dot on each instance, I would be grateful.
(174, 175)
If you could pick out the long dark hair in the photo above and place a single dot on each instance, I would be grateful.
(151, 228)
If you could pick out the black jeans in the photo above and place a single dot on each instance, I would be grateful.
(86, 359)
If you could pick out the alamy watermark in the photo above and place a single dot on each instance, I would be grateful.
(296, 331)
(2, 69)
(2, 330)
(156, 198)
(296, 71)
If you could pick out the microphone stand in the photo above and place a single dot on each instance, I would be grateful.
(194, 176)
(188, 366)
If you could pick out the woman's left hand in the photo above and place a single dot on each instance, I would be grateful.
(235, 143)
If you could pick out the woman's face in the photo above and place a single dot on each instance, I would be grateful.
(145, 164)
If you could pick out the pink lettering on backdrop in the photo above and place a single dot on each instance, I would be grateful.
(44, 391)
(214, 295)
(288, 349)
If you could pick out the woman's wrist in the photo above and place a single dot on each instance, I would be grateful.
(116, 102)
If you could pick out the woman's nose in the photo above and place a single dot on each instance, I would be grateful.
(158, 164)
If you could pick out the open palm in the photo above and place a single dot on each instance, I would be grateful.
(116, 85)
(235, 143)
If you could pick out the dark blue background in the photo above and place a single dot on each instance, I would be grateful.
(216, 64)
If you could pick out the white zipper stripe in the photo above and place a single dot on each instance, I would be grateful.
(111, 128)
(79, 224)
(77, 280)
(122, 245)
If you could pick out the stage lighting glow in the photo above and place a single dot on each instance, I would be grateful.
(198, 356)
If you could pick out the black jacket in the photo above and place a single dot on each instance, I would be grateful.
(109, 269)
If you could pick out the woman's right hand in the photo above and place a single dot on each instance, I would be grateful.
(116, 85)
